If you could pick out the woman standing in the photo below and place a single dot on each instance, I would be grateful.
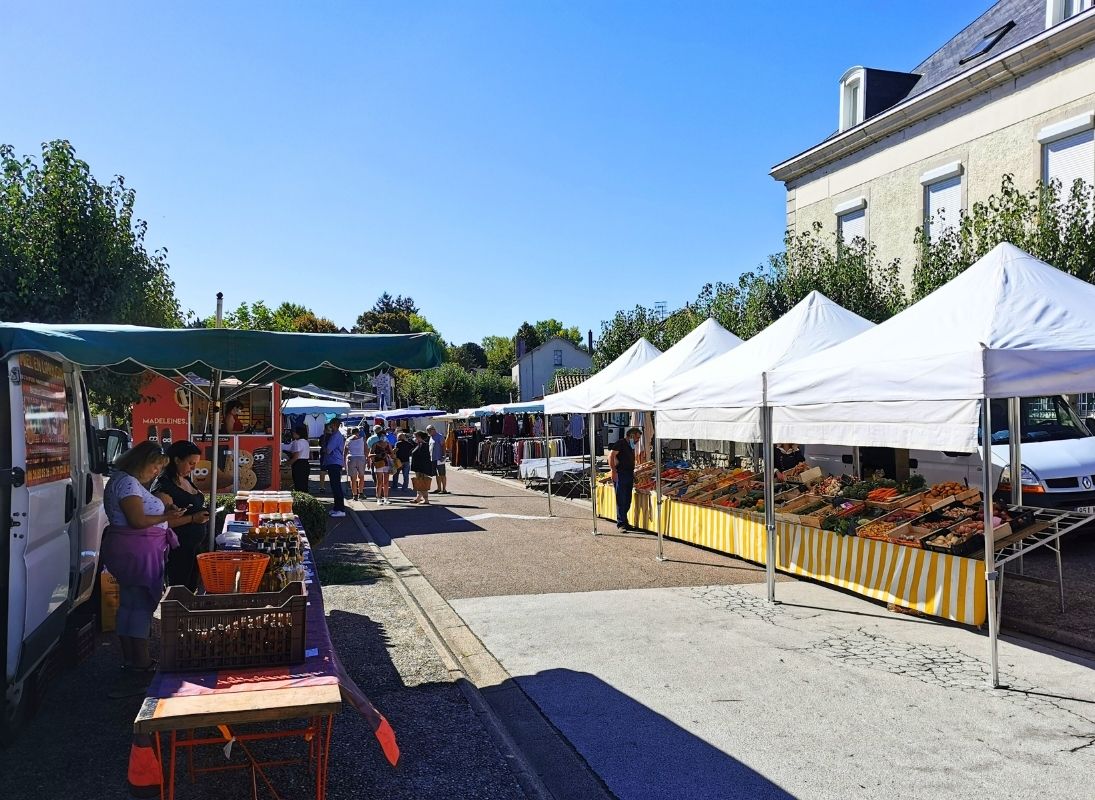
(355, 463)
(402, 465)
(174, 488)
(134, 549)
(298, 458)
(382, 465)
(424, 470)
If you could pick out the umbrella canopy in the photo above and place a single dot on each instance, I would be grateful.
(720, 399)
(635, 391)
(579, 400)
(1009, 326)
(309, 405)
(292, 359)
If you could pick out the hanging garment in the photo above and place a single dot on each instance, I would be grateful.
(577, 426)
(510, 427)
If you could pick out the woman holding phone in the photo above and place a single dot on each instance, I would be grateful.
(174, 488)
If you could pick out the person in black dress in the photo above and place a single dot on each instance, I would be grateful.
(174, 488)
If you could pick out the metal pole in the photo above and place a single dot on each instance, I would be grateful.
(1015, 437)
(769, 496)
(658, 485)
(215, 402)
(593, 468)
(990, 547)
(547, 455)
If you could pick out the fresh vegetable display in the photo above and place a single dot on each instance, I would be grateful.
(947, 489)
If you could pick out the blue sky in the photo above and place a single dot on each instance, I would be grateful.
(498, 161)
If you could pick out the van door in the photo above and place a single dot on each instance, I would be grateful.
(91, 518)
(42, 509)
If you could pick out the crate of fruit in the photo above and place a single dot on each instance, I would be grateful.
(232, 631)
(964, 538)
(882, 530)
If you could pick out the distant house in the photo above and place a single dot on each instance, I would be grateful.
(1013, 92)
(534, 371)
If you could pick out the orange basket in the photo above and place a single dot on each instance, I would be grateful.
(219, 571)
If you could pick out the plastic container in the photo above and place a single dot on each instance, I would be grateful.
(219, 571)
(285, 503)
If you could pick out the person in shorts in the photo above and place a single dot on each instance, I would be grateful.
(355, 463)
(424, 468)
(437, 453)
(381, 454)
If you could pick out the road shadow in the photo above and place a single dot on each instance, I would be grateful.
(639, 753)
(417, 521)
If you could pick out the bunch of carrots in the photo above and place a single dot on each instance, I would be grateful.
(882, 495)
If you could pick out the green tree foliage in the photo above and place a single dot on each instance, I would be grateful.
(469, 355)
(549, 328)
(288, 317)
(449, 386)
(529, 335)
(308, 322)
(71, 250)
(1050, 222)
(419, 324)
(490, 387)
(388, 315)
(500, 354)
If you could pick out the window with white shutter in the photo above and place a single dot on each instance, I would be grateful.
(942, 204)
(852, 224)
(1068, 159)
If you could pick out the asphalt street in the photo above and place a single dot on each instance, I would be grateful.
(679, 680)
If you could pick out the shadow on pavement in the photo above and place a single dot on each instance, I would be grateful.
(640, 754)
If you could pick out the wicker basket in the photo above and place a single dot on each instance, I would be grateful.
(219, 571)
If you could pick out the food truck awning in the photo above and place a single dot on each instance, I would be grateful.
(291, 359)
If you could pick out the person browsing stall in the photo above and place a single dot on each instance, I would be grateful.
(298, 451)
(174, 488)
(621, 467)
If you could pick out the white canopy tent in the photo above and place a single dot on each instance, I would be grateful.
(634, 391)
(1009, 326)
(722, 398)
(310, 405)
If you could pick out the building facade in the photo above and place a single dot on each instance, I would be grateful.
(1014, 92)
(534, 371)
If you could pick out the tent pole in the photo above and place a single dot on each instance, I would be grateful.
(215, 402)
(1015, 437)
(658, 485)
(593, 468)
(547, 455)
(990, 546)
(767, 448)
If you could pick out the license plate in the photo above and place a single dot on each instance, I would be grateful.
(1086, 510)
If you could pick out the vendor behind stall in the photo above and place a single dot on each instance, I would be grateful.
(785, 457)
(621, 466)
(231, 422)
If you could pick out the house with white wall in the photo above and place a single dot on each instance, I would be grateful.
(1013, 92)
(535, 369)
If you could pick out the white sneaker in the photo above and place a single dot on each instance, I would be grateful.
(338, 513)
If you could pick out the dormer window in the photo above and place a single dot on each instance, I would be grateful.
(852, 87)
(988, 42)
(1057, 11)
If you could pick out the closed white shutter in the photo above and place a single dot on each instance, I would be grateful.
(942, 204)
(1070, 158)
(852, 224)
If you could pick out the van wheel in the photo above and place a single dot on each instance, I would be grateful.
(17, 710)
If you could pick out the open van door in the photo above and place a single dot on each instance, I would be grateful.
(39, 509)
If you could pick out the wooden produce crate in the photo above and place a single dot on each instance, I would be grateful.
(232, 631)
(897, 502)
(972, 544)
(807, 477)
(875, 530)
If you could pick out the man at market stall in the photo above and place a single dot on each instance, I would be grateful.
(621, 468)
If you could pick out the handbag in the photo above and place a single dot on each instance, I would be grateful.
(397, 465)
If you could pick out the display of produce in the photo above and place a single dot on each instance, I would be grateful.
(947, 489)
(830, 486)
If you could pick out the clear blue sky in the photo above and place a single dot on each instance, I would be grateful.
(498, 161)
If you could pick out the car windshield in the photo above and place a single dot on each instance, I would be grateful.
(1041, 419)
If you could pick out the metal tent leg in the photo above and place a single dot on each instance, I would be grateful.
(991, 575)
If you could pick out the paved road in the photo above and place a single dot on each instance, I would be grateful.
(678, 680)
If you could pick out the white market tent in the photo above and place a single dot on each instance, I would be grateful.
(580, 399)
(722, 398)
(634, 391)
(310, 405)
(1009, 326)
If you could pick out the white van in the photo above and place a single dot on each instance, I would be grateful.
(1058, 456)
(52, 467)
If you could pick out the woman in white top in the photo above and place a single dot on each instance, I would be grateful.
(355, 463)
(135, 556)
(299, 453)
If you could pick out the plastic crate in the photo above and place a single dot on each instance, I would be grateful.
(232, 631)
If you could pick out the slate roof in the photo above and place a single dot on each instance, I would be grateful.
(1029, 17)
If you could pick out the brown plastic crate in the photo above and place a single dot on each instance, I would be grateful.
(232, 631)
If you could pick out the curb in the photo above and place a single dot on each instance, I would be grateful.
(479, 674)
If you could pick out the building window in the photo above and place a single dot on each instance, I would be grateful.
(986, 43)
(942, 198)
(851, 220)
(1057, 11)
(1068, 152)
(851, 98)
(558, 358)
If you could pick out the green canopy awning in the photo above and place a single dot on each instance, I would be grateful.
(292, 359)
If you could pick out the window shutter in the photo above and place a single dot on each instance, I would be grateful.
(1070, 158)
(853, 224)
(942, 206)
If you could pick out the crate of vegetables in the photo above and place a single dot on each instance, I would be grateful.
(882, 530)
(890, 498)
(810, 509)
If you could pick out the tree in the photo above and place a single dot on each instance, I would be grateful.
(310, 323)
(71, 250)
(1052, 223)
(500, 354)
(622, 331)
(490, 387)
(469, 355)
(389, 315)
(448, 386)
(288, 317)
(419, 324)
(549, 328)
(386, 304)
(529, 335)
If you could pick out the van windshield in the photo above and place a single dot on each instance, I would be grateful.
(1041, 419)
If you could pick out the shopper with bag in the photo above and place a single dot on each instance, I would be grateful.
(402, 464)
(381, 455)
(423, 466)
